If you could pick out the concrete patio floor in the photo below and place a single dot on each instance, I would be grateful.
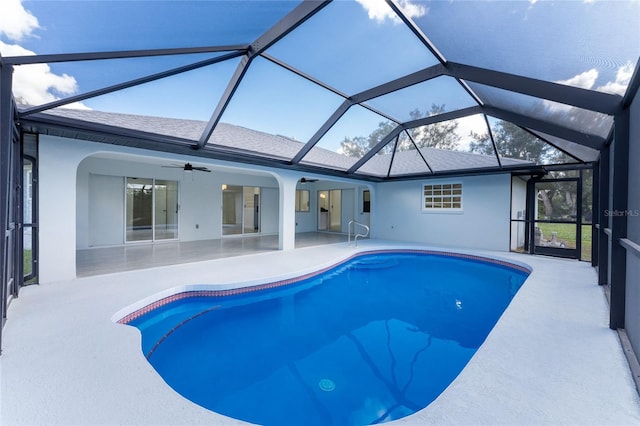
(550, 360)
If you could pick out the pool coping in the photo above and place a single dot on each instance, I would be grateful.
(551, 358)
(155, 301)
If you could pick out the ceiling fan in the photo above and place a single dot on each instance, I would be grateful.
(305, 180)
(188, 167)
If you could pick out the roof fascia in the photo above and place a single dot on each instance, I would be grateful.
(153, 142)
(530, 169)
(122, 54)
(128, 84)
(575, 96)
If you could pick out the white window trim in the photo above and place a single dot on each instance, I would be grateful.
(437, 210)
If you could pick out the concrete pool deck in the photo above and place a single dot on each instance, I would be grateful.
(550, 360)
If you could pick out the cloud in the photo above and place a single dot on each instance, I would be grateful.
(32, 84)
(586, 80)
(620, 84)
(16, 22)
(36, 84)
(380, 11)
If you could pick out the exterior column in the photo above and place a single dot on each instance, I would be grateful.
(6, 140)
(603, 218)
(620, 192)
(287, 225)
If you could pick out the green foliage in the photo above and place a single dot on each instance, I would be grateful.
(439, 135)
(516, 143)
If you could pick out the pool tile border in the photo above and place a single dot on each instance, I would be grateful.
(276, 284)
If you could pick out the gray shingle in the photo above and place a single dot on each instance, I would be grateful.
(275, 146)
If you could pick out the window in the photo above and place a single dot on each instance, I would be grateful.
(302, 200)
(366, 201)
(442, 197)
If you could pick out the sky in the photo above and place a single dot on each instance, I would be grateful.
(351, 46)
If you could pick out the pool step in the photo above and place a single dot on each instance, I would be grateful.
(374, 263)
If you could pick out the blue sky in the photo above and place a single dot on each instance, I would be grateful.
(350, 45)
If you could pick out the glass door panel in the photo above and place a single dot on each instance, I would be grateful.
(139, 207)
(330, 210)
(240, 210)
(251, 210)
(335, 210)
(323, 210)
(231, 210)
(166, 210)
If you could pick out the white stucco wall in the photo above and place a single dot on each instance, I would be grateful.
(58, 162)
(483, 224)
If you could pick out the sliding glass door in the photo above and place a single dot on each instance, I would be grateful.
(166, 210)
(151, 209)
(240, 210)
(330, 210)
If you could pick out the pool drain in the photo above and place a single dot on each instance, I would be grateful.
(326, 385)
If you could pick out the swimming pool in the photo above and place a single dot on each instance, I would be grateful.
(375, 338)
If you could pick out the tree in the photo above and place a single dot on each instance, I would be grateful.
(360, 145)
(439, 135)
(557, 199)
(512, 142)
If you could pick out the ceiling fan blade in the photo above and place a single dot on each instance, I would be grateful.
(188, 167)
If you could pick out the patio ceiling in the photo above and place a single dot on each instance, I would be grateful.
(352, 88)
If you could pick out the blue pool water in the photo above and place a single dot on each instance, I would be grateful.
(374, 339)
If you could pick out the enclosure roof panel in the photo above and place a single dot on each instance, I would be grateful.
(337, 86)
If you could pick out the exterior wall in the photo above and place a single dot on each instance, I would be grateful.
(58, 162)
(632, 301)
(483, 224)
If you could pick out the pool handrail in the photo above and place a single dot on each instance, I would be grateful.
(355, 237)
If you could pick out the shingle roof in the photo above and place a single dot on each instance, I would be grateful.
(276, 146)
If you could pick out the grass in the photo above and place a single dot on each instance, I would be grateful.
(27, 265)
(567, 232)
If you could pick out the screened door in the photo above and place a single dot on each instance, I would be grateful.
(557, 219)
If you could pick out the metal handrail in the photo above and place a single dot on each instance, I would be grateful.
(355, 236)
